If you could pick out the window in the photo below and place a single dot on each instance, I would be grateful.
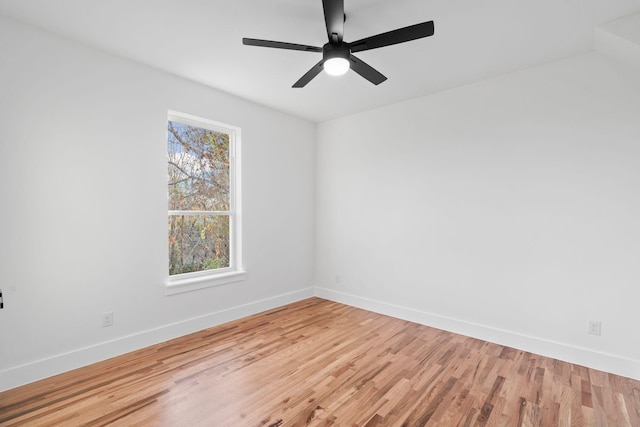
(204, 204)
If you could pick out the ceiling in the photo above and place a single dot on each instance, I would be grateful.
(201, 40)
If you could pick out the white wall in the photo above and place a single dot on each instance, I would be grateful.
(506, 210)
(83, 206)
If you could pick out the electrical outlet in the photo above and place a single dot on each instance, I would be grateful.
(595, 327)
(107, 319)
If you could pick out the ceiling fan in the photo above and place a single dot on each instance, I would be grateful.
(337, 55)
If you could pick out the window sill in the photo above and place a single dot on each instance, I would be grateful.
(180, 285)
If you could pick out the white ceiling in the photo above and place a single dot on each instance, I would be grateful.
(201, 40)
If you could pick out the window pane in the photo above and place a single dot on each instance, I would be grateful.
(198, 243)
(198, 163)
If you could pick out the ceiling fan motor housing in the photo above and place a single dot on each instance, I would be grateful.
(331, 50)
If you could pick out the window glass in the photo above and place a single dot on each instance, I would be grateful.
(202, 225)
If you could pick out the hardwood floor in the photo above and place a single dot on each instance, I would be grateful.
(320, 363)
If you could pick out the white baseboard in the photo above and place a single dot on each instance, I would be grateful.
(27, 373)
(581, 356)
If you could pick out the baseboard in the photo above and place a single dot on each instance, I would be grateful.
(27, 373)
(581, 356)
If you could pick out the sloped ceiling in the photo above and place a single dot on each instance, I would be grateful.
(202, 41)
(620, 39)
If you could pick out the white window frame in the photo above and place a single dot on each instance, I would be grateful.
(186, 282)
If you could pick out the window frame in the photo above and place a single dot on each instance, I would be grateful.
(186, 282)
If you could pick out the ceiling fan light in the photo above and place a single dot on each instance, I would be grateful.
(336, 66)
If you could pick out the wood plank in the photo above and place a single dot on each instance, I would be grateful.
(320, 363)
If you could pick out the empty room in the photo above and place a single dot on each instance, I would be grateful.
(319, 212)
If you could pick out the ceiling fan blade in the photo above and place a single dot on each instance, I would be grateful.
(366, 70)
(400, 35)
(334, 19)
(280, 45)
(309, 75)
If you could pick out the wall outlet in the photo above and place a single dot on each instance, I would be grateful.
(107, 319)
(595, 327)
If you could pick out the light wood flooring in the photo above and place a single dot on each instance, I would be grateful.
(320, 363)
